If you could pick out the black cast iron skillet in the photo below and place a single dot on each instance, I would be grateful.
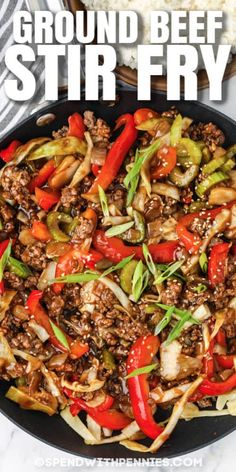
(188, 436)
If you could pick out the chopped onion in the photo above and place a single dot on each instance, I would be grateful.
(206, 337)
(168, 190)
(162, 396)
(78, 387)
(115, 220)
(232, 303)
(118, 292)
(232, 175)
(22, 216)
(97, 400)
(221, 195)
(39, 331)
(220, 318)
(218, 226)
(107, 432)
(26, 238)
(77, 425)
(191, 411)
(174, 365)
(50, 379)
(85, 166)
(33, 362)
(48, 273)
(5, 301)
(6, 353)
(127, 432)
(57, 360)
(223, 399)
(94, 428)
(231, 231)
(140, 198)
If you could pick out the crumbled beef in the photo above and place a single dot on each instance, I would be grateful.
(199, 226)
(71, 198)
(60, 133)
(207, 132)
(83, 230)
(54, 303)
(35, 256)
(172, 113)
(190, 339)
(205, 403)
(6, 212)
(191, 297)
(229, 324)
(98, 128)
(15, 183)
(71, 296)
(29, 341)
(231, 268)
(13, 280)
(172, 292)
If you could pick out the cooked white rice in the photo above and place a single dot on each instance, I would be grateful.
(127, 55)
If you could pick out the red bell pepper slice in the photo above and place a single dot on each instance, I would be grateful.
(66, 263)
(8, 153)
(40, 231)
(141, 354)
(167, 157)
(217, 265)
(96, 169)
(77, 349)
(78, 404)
(144, 114)
(227, 362)
(116, 154)
(191, 241)
(107, 418)
(76, 126)
(115, 250)
(221, 338)
(217, 388)
(43, 175)
(46, 199)
(233, 249)
(2, 287)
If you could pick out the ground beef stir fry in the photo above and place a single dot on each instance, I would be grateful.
(118, 273)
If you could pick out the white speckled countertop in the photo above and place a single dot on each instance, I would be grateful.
(21, 452)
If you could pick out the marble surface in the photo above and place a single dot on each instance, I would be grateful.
(18, 449)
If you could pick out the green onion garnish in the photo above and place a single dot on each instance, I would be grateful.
(60, 335)
(140, 281)
(19, 268)
(132, 178)
(103, 201)
(142, 370)
(203, 262)
(184, 316)
(149, 261)
(118, 266)
(165, 320)
(171, 269)
(119, 229)
(200, 288)
(77, 278)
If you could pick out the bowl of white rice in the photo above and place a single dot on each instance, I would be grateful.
(127, 55)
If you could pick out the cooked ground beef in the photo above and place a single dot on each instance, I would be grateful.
(35, 256)
(189, 339)
(172, 292)
(99, 129)
(209, 133)
(83, 231)
(153, 208)
(14, 183)
(60, 133)
(70, 198)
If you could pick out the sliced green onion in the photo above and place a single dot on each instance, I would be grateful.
(177, 275)
(4, 259)
(142, 370)
(178, 311)
(60, 335)
(228, 166)
(203, 262)
(77, 278)
(165, 320)
(132, 178)
(140, 281)
(211, 180)
(118, 266)
(119, 229)
(176, 331)
(171, 269)
(103, 201)
(200, 288)
(149, 261)
(19, 268)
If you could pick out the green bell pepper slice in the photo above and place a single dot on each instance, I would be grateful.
(211, 180)
(193, 153)
(176, 131)
(183, 179)
(18, 268)
(126, 276)
(54, 218)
